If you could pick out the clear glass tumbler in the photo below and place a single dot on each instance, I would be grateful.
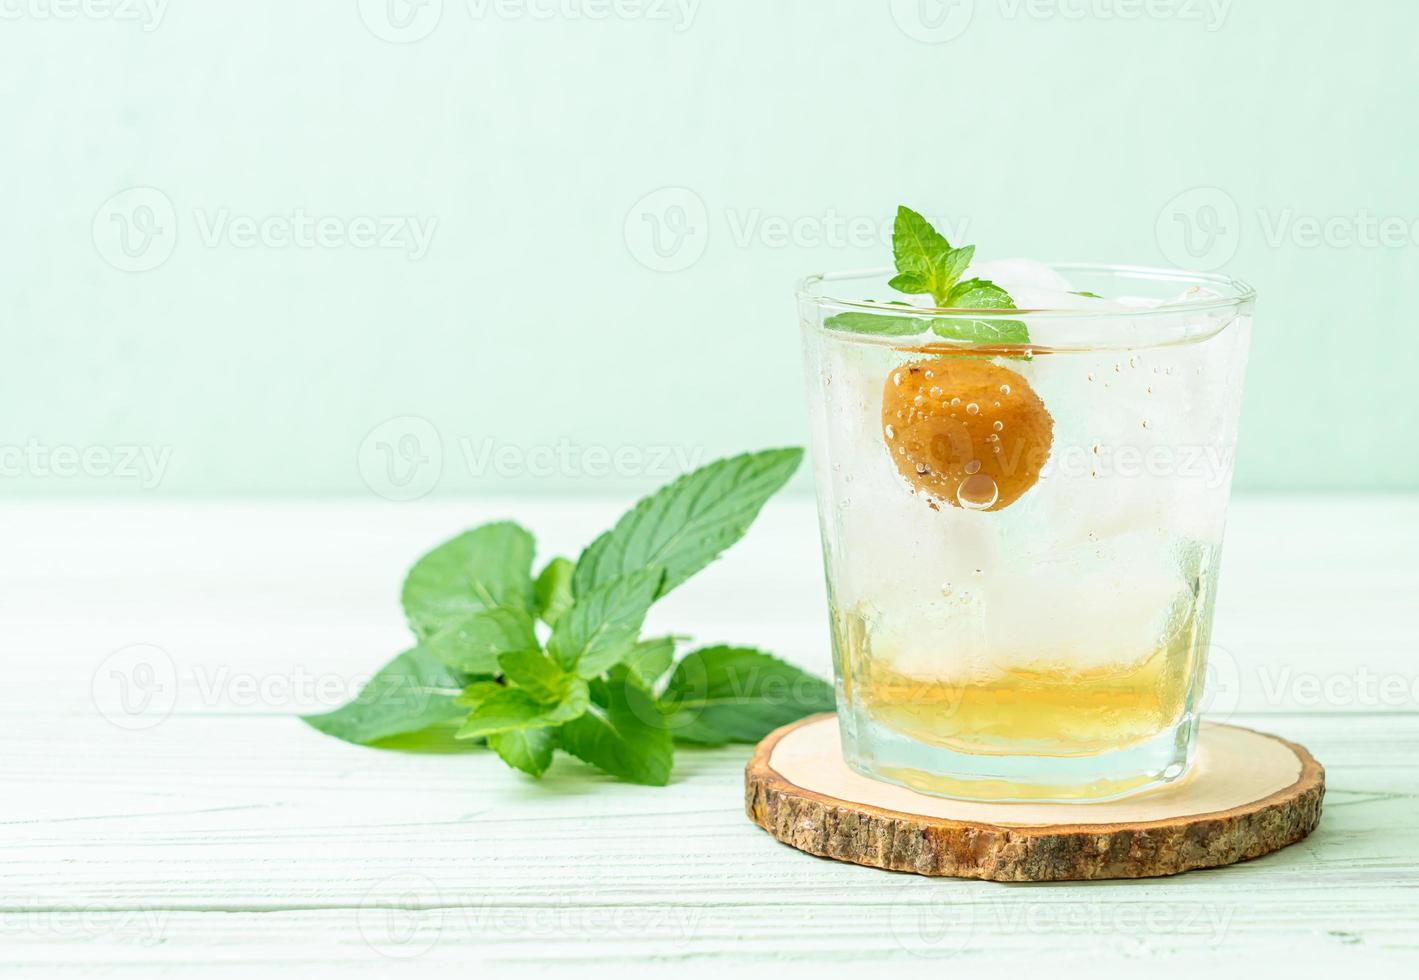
(1021, 540)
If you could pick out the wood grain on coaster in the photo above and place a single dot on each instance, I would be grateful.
(1249, 794)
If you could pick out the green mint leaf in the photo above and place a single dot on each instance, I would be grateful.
(528, 749)
(511, 710)
(911, 282)
(474, 643)
(916, 245)
(980, 294)
(486, 568)
(603, 623)
(553, 590)
(622, 732)
(686, 525)
(537, 674)
(876, 325)
(1004, 333)
(956, 262)
(437, 740)
(736, 694)
(650, 659)
(1084, 292)
(477, 692)
(926, 262)
(409, 694)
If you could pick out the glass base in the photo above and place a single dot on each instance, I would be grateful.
(882, 753)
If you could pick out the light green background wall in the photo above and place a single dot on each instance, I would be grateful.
(532, 134)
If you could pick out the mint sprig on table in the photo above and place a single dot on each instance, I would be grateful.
(531, 664)
(928, 264)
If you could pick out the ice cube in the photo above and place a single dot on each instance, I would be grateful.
(1036, 286)
(1019, 274)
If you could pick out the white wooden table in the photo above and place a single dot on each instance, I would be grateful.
(205, 831)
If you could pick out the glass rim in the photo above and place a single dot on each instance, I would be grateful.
(1235, 293)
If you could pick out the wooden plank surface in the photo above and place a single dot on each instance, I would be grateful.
(208, 828)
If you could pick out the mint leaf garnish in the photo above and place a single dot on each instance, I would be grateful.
(980, 294)
(986, 332)
(553, 590)
(409, 694)
(485, 568)
(474, 643)
(621, 732)
(684, 526)
(927, 263)
(737, 694)
(483, 673)
(871, 323)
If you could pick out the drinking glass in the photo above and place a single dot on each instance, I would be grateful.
(1021, 538)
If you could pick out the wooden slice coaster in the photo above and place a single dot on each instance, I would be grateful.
(1248, 794)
